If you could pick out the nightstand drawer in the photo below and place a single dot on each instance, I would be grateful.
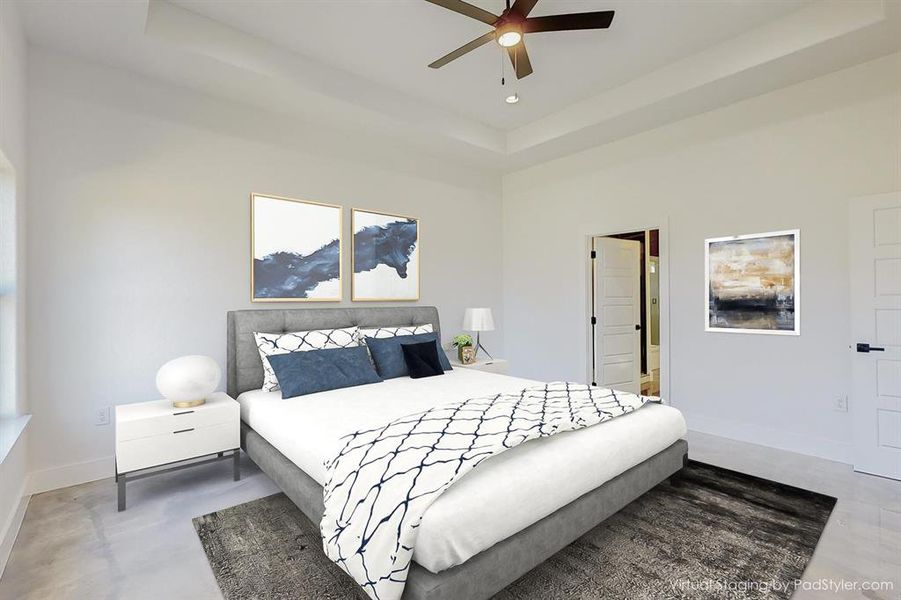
(174, 419)
(176, 444)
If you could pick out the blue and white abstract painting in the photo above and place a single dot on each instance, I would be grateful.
(296, 250)
(385, 256)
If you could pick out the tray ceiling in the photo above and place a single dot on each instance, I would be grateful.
(362, 65)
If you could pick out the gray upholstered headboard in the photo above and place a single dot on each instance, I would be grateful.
(245, 369)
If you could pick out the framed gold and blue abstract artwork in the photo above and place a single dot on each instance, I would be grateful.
(753, 283)
(296, 250)
(385, 256)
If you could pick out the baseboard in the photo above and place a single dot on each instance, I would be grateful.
(68, 475)
(11, 528)
(773, 438)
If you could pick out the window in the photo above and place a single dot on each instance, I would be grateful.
(8, 280)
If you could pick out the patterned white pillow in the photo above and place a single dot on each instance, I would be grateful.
(385, 332)
(270, 344)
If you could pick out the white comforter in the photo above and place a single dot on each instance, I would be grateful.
(499, 498)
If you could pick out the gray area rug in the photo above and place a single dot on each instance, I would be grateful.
(702, 535)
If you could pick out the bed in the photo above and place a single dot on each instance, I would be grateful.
(494, 524)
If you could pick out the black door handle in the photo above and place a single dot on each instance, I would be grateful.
(638, 328)
(868, 348)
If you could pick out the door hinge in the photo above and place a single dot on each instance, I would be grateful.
(594, 320)
(594, 254)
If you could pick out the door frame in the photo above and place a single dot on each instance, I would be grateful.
(662, 226)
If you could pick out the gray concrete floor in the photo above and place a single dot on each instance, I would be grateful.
(73, 543)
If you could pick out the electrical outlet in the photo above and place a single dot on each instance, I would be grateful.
(840, 403)
(101, 415)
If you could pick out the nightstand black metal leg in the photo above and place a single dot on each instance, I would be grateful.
(236, 455)
(120, 482)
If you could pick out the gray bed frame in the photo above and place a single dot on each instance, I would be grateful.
(488, 572)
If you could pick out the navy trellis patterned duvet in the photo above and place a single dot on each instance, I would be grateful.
(383, 480)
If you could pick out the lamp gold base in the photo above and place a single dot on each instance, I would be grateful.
(189, 403)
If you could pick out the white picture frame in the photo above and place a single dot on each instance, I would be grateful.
(766, 290)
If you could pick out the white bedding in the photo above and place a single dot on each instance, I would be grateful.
(501, 496)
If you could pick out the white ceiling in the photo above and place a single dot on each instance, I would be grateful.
(361, 65)
(393, 41)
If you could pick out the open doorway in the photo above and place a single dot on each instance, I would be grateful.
(625, 311)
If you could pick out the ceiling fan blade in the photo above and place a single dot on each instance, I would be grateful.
(520, 59)
(591, 20)
(523, 7)
(479, 41)
(464, 8)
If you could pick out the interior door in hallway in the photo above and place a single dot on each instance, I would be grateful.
(617, 314)
(875, 237)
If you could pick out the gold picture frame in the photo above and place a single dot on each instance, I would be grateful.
(357, 295)
(254, 238)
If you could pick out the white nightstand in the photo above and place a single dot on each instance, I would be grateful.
(489, 365)
(156, 434)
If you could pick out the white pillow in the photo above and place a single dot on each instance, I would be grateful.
(270, 344)
(385, 332)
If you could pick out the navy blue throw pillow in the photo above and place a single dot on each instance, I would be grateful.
(301, 373)
(389, 358)
(422, 359)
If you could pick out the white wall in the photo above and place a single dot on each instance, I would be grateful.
(139, 236)
(13, 497)
(12, 306)
(789, 159)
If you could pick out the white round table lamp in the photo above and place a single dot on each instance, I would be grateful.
(188, 380)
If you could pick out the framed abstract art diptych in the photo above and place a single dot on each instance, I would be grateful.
(296, 253)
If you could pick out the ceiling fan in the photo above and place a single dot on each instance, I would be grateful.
(512, 24)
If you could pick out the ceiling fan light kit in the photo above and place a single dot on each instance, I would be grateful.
(509, 34)
(511, 26)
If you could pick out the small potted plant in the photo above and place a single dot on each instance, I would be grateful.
(465, 350)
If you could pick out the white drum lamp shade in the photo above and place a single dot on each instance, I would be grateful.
(478, 319)
(187, 381)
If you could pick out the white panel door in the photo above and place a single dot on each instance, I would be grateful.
(875, 235)
(617, 310)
